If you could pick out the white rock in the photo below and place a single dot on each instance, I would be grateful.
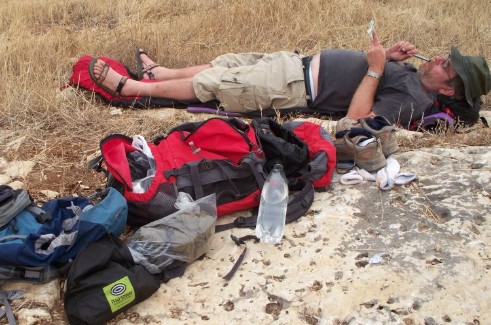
(5, 179)
(405, 134)
(16, 185)
(65, 94)
(115, 111)
(33, 316)
(3, 163)
(15, 144)
(20, 168)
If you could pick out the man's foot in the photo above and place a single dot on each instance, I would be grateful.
(147, 68)
(108, 79)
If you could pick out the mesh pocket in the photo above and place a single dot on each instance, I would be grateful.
(161, 205)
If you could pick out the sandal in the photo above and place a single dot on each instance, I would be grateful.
(99, 80)
(148, 70)
(142, 70)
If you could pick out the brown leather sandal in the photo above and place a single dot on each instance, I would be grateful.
(99, 80)
(140, 69)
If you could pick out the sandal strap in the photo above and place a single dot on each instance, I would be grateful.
(121, 84)
(150, 67)
(148, 70)
(105, 70)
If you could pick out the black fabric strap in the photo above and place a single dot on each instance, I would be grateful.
(239, 241)
(196, 179)
(484, 122)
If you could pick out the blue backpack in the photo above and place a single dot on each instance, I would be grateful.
(36, 242)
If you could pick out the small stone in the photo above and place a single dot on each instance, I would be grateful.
(416, 305)
(429, 321)
(338, 275)
(115, 111)
(361, 263)
(229, 306)
(477, 165)
(446, 319)
(50, 195)
(438, 248)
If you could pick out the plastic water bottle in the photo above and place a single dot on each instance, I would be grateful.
(272, 207)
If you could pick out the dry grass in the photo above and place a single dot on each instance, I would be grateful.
(39, 41)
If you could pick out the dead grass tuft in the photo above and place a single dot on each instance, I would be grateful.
(39, 41)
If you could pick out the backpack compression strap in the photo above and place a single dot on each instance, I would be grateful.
(298, 204)
(34, 274)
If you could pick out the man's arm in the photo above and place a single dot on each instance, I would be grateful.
(364, 97)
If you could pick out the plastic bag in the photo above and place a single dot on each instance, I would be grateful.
(142, 165)
(183, 235)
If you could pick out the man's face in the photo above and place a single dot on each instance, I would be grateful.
(436, 74)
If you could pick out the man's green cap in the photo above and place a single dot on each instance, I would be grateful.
(474, 72)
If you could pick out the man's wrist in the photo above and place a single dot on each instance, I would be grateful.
(373, 74)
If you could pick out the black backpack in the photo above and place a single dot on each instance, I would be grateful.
(104, 281)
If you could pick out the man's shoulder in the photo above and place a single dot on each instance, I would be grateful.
(399, 72)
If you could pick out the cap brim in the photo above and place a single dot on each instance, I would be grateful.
(459, 66)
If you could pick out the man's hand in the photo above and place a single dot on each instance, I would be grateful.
(401, 51)
(376, 55)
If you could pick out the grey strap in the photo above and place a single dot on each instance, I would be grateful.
(12, 208)
(8, 309)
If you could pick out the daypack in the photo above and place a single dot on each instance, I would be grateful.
(104, 281)
(219, 155)
(34, 246)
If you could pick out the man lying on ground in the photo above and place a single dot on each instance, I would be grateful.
(332, 82)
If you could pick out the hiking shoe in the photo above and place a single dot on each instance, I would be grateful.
(344, 154)
(382, 129)
(346, 123)
(362, 147)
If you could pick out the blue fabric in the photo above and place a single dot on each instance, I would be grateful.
(66, 233)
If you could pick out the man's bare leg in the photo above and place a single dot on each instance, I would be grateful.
(163, 73)
(178, 89)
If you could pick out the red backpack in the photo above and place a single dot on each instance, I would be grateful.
(225, 156)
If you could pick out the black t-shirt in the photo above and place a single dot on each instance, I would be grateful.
(400, 96)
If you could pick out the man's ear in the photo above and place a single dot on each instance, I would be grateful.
(448, 91)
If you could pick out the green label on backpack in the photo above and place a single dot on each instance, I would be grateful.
(119, 293)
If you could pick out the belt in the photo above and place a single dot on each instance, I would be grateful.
(306, 74)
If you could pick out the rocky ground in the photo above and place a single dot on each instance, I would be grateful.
(416, 254)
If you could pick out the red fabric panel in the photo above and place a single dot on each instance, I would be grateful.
(249, 202)
(114, 151)
(311, 134)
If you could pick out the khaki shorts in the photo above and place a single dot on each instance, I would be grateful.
(252, 81)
